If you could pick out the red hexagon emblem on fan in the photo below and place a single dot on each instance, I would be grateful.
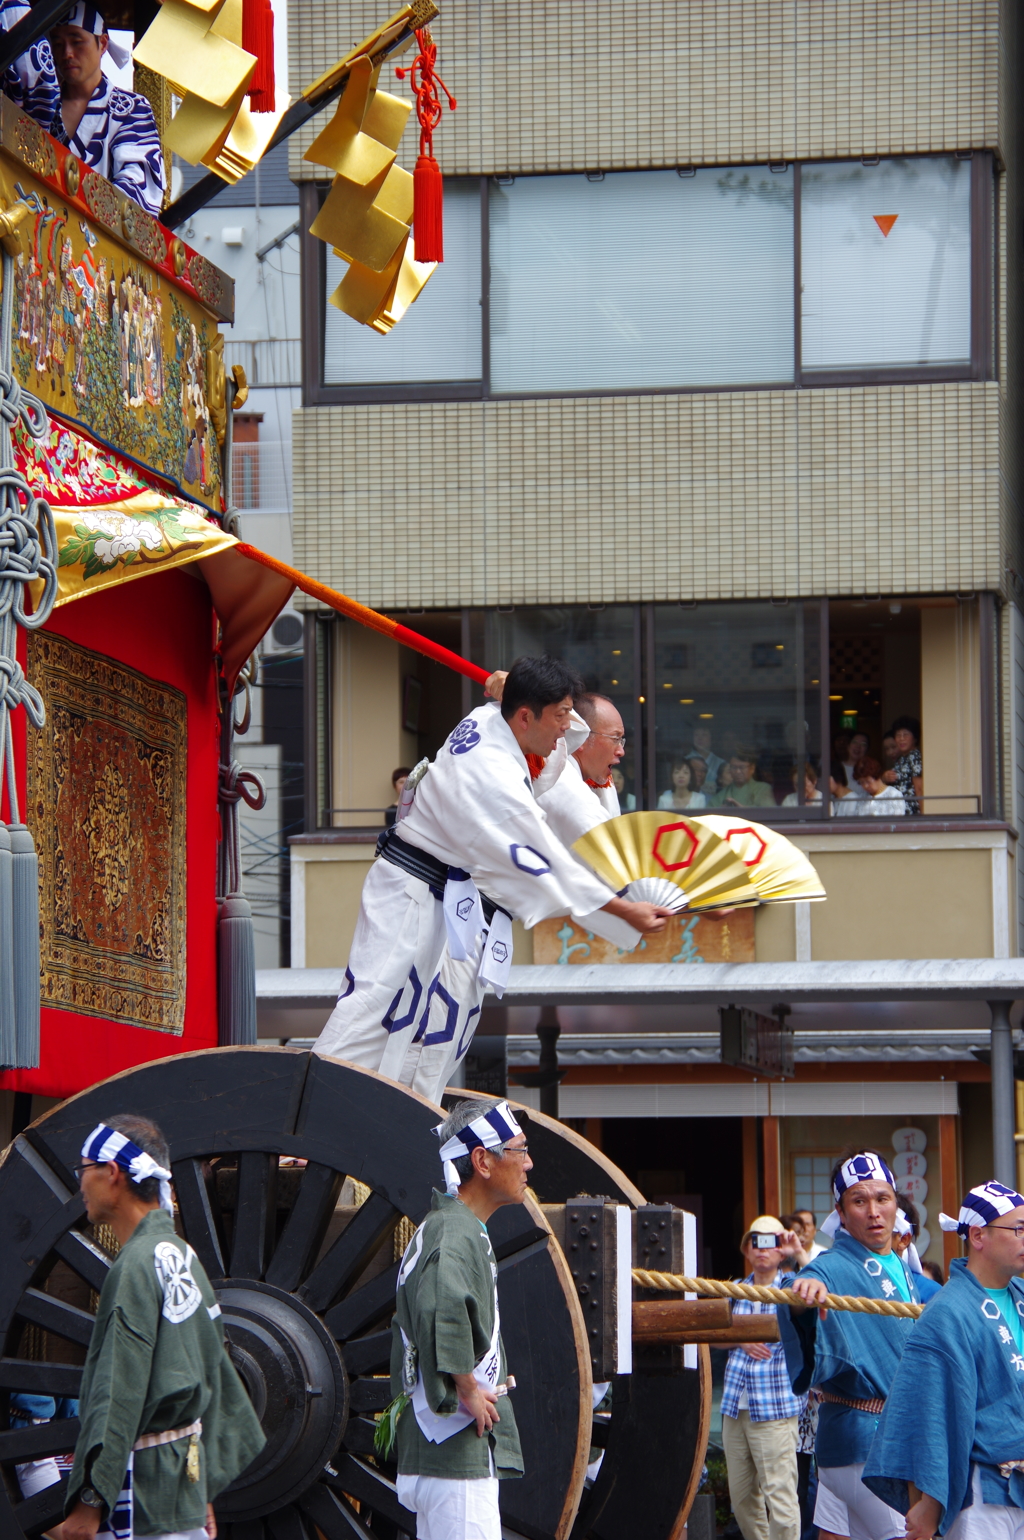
(675, 828)
(762, 844)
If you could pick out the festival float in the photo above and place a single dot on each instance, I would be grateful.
(129, 611)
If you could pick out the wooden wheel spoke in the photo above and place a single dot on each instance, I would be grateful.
(367, 1353)
(42, 1510)
(39, 1439)
(40, 1378)
(198, 1217)
(365, 1307)
(369, 1395)
(32, 1147)
(54, 1315)
(350, 1253)
(333, 1514)
(286, 1524)
(84, 1257)
(372, 1487)
(359, 1435)
(247, 1529)
(254, 1214)
(306, 1226)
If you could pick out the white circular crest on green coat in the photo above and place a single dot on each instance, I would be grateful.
(182, 1297)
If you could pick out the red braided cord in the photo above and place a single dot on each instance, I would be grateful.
(424, 82)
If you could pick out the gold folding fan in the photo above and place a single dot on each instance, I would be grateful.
(779, 871)
(662, 858)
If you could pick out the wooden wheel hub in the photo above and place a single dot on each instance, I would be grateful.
(293, 1372)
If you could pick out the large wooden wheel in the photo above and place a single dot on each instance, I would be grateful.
(307, 1289)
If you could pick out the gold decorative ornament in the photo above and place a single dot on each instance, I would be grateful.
(178, 257)
(216, 395)
(143, 231)
(101, 199)
(72, 174)
(241, 387)
(779, 871)
(10, 219)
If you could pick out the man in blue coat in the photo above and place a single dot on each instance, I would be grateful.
(851, 1359)
(953, 1425)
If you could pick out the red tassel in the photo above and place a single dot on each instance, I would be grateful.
(427, 182)
(428, 210)
(258, 38)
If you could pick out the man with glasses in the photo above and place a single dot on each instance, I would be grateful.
(949, 1451)
(583, 794)
(448, 1370)
(166, 1424)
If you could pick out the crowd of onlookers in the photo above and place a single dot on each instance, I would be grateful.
(858, 784)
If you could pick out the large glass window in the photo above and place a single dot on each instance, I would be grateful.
(439, 337)
(735, 689)
(600, 644)
(642, 280)
(886, 263)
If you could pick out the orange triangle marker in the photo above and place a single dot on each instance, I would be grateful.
(885, 222)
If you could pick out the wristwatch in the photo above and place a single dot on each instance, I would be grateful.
(90, 1497)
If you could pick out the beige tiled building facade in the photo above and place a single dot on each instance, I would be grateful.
(726, 363)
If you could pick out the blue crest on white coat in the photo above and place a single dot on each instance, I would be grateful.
(521, 857)
(464, 737)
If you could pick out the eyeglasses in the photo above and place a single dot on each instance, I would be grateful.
(1017, 1230)
(89, 1165)
(522, 1149)
(619, 739)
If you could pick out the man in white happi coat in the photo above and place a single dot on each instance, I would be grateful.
(473, 850)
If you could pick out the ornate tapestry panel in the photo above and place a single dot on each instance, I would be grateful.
(106, 799)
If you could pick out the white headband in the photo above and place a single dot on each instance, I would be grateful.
(105, 1144)
(491, 1129)
(981, 1207)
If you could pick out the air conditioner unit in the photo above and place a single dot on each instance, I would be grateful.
(285, 637)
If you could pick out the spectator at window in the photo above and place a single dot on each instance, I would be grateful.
(627, 800)
(856, 750)
(699, 765)
(812, 796)
(890, 753)
(723, 784)
(745, 790)
(907, 774)
(398, 780)
(683, 793)
(701, 737)
(882, 801)
(846, 803)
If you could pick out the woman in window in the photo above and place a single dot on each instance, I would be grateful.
(907, 774)
(882, 801)
(812, 796)
(682, 794)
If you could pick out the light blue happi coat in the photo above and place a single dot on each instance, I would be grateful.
(849, 1354)
(957, 1401)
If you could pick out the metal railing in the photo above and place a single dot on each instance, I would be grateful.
(274, 361)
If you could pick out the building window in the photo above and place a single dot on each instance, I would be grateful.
(723, 277)
(885, 256)
(812, 1188)
(641, 280)
(439, 339)
(737, 725)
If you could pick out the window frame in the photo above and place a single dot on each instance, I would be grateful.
(982, 319)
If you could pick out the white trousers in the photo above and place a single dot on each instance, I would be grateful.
(452, 1510)
(986, 1521)
(408, 1009)
(845, 1506)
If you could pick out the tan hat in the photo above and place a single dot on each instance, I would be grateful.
(764, 1224)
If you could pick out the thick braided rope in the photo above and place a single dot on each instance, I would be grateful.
(677, 1283)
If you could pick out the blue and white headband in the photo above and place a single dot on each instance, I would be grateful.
(491, 1129)
(981, 1207)
(863, 1167)
(91, 20)
(105, 1144)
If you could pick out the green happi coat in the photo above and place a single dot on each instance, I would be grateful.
(157, 1361)
(446, 1302)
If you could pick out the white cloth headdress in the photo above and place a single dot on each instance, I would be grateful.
(91, 20)
(491, 1129)
(981, 1206)
(105, 1144)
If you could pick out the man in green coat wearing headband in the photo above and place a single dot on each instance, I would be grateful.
(166, 1424)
